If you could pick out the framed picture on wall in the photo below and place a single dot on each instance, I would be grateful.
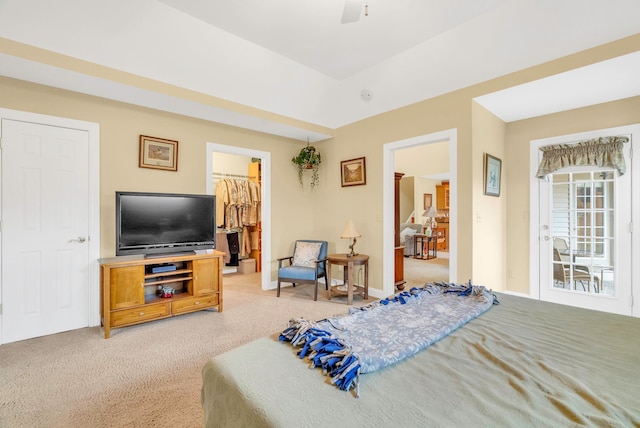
(428, 200)
(492, 175)
(158, 153)
(353, 172)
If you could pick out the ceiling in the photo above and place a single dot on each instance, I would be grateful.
(295, 59)
(310, 31)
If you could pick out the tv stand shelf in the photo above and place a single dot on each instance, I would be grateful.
(130, 288)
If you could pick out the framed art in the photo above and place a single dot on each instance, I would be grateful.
(428, 200)
(492, 175)
(158, 153)
(353, 172)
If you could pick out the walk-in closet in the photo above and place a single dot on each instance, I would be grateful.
(236, 181)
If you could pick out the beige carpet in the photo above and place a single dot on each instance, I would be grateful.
(146, 375)
(417, 272)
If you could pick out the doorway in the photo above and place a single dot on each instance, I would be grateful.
(582, 233)
(426, 178)
(51, 225)
(388, 168)
(265, 189)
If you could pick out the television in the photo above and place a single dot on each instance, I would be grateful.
(155, 224)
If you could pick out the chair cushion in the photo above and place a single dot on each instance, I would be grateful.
(306, 253)
(297, 272)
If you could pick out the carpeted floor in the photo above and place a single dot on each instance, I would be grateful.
(417, 272)
(149, 375)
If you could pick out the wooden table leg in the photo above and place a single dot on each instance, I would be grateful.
(328, 279)
(350, 284)
(366, 280)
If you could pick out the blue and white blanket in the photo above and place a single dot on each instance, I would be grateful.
(384, 332)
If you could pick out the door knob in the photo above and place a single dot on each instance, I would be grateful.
(79, 239)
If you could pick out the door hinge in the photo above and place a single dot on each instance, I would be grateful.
(0, 308)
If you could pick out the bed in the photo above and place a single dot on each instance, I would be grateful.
(521, 363)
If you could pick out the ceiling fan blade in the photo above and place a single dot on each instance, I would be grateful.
(352, 11)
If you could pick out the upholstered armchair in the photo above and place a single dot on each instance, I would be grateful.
(305, 266)
(407, 232)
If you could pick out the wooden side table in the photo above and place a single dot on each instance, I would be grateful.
(420, 241)
(349, 263)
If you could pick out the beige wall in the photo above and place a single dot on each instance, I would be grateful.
(424, 185)
(407, 196)
(321, 213)
(489, 212)
(120, 126)
(367, 137)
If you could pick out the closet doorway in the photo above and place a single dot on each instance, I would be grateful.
(237, 163)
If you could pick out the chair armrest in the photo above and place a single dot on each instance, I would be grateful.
(281, 259)
(318, 263)
(582, 268)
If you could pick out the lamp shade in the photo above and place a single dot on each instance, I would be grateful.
(350, 231)
(430, 212)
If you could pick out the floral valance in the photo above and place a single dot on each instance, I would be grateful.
(602, 152)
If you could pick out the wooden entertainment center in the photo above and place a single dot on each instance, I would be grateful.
(131, 286)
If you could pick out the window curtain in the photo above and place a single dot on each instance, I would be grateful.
(602, 152)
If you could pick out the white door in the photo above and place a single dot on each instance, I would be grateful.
(585, 241)
(45, 202)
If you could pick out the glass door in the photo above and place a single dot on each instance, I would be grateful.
(585, 238)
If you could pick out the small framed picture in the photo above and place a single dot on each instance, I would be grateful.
(492, 175)
(158, 153)
(428, 200)
(353, 172)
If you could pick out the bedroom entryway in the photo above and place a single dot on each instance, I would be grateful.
(585, 222)
(47, 283)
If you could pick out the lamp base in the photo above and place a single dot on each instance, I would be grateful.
(351, 253)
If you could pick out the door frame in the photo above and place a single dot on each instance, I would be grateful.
(534, 217)
(93, 240)
(265, 196)
(388, 191)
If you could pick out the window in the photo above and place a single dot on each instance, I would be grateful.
(583, 218)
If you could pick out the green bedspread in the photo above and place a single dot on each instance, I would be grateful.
(524, 363)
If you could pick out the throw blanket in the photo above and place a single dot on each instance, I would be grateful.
(384, 332)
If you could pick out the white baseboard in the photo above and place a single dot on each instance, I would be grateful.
(517, 293)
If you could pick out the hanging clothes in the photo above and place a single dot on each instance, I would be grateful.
(237, 203)
(246, 248)
(223, 245)
(234, 248)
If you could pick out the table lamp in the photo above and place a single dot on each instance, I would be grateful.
(430, 213)
(350, 231)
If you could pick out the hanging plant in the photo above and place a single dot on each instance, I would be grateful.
(308, 158)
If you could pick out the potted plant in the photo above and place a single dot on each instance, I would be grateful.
(308, 158)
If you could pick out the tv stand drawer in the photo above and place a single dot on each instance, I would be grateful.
(140, 314)
(191, 304)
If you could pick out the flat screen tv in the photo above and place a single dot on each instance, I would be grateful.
(162, 223)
